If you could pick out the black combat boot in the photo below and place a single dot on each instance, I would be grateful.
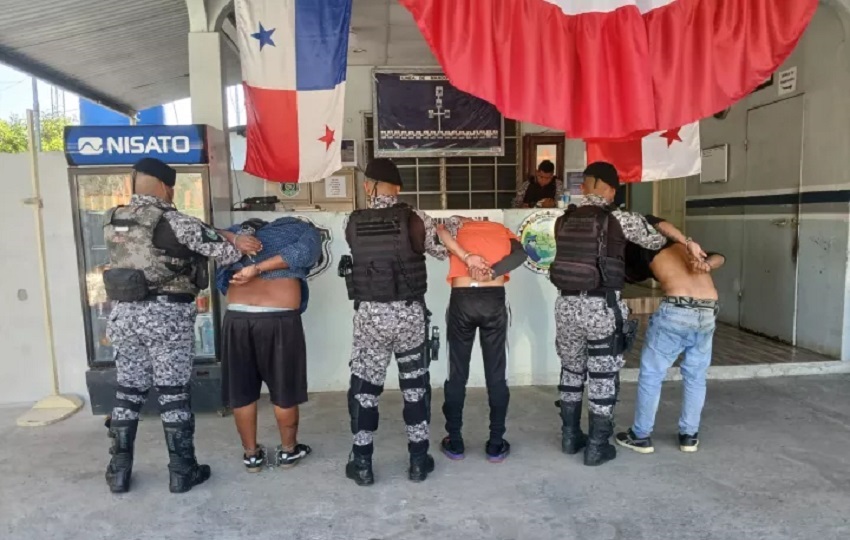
(421, 465)
(183, 468)
(359, 469)
(123, 435)
(572, 438)
(599, 448)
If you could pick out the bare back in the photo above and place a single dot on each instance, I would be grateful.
(282, 293)
(671, 269)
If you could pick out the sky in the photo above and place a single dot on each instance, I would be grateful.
(16, 97)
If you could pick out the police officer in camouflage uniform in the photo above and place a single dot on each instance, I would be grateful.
(388, 281)
(590, 315)
(158, 265)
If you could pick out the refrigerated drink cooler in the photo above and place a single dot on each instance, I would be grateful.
(99, 175)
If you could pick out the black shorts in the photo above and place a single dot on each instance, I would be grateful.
(263, 347)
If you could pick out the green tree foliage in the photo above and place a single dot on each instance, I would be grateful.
(13, 134)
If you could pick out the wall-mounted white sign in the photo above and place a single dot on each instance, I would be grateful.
(788, 81)
(715, 164)
(335, 187)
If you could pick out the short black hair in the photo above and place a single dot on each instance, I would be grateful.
(546, 166)
(604, 171)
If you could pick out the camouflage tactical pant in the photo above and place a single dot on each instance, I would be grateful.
(154, 346)
(381, 330)
(584, 332)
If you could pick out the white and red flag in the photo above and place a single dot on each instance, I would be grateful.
(294, 57)
(610, 69)
(673, 153)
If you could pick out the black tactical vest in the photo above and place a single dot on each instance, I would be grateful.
(386, 269)
(139, 238)
(590, 252)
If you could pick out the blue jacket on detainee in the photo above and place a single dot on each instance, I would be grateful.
(298, 242)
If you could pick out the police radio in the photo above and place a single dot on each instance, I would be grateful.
(434, 344)
(346, 266)
(345, 270)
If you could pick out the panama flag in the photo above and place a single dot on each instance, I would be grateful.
(294, 59)
(610, 69)
(674, 153)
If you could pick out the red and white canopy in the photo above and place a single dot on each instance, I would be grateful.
(610, 68)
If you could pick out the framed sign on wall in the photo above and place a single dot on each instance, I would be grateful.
(715, 165)
(418, 113)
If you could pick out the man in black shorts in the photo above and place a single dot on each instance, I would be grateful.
(262, 335)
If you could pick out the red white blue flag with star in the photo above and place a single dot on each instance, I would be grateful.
(673, 153)
(294, 59)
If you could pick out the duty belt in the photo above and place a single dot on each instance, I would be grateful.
(689, 302)
(592, 294)
(611, 297)
(171, 298)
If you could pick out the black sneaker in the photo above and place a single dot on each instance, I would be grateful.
(633, 442)
(255, 463)
(689, 443)
(288, 460)
(497, 452)
(453, 449)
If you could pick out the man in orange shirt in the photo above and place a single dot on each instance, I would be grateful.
(482, 254)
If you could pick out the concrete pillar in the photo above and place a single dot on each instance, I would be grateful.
(206, 79)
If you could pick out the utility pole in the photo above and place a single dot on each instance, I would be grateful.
(36, 113)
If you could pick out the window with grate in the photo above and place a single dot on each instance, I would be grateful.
(470, 183)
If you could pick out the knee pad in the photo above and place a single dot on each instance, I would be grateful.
(133, 399)
(608, 400)
(417, 412)
(362, 418)
(174, 398)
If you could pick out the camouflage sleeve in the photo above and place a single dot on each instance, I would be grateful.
(433, 247)
(519, 200)
(453, 225)
(638, 231)
(202, 239)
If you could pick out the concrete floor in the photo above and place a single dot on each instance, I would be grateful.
(773, 465)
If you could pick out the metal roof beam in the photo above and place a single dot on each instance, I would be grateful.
(52, 76)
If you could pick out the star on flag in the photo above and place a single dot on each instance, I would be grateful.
(264, 36)
(671, 135)
(328, 138)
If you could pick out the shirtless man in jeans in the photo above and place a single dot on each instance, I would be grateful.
(684, 323)
(262, 336)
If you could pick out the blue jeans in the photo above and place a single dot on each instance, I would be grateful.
(672, 331)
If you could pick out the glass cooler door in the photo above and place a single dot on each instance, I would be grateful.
(95, 192)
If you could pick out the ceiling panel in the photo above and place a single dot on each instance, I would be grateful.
(134, 54)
